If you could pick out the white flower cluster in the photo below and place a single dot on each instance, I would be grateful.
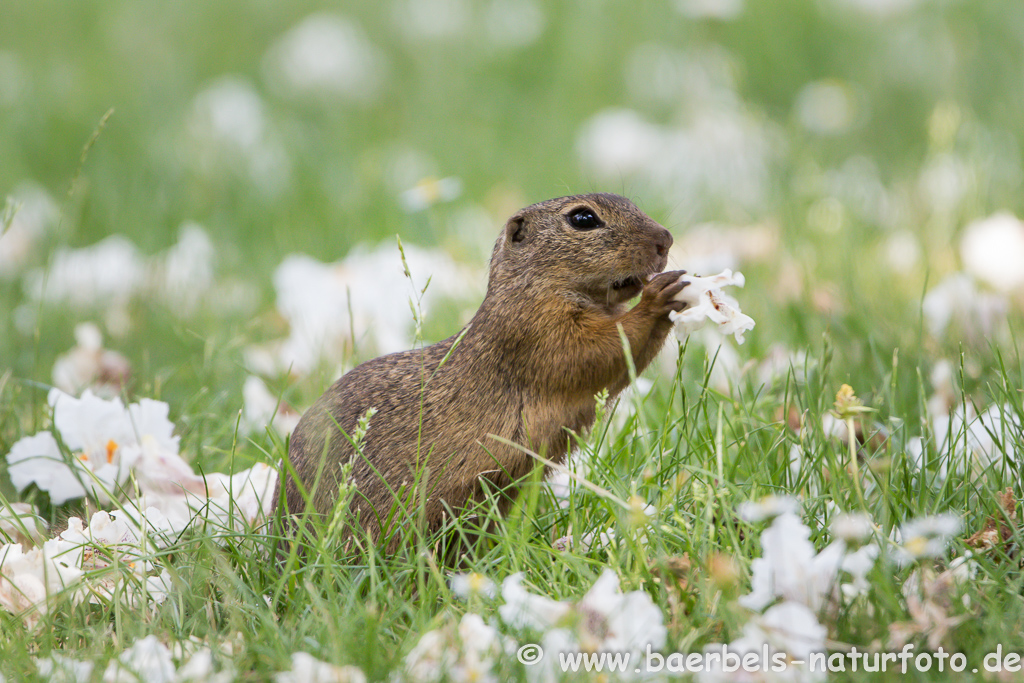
(328, 305)
(603, 620)
(706, 301)
(103, 447)
(107, 560)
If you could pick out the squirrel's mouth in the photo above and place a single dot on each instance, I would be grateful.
(633, 281)
(626, 288)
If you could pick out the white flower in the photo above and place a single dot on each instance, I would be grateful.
(604, 620)
(706, 301)
(957, 299)
(105, 440)
(722, 155)
(853, 527)
(58, 669)
(35, 213)
(90, 366)
(228, 129)
(28, 579)
(618, 622)
(183, 275)
(115, 558)
(945, 181)
(523, 609)
(432, 19)
(985, 440)
(108, 273)
(325, 55)
(466, 653)
(308, 669)
(216, 501)
(857, 564)
(20, 523)
(200, 669)
(992, 250)
(926, 536)
(513, 23)
(474, 584)
(769, 507)
(260, 408)
(789, 628)
(827, 107)
(430, 191)
(902, 251)
(710, 9)
(146, 661)
(790, 568)
(327, 305)
(618, 142)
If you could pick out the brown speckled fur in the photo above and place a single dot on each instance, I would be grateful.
(542, 344)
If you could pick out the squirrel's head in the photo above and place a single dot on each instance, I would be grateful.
(598, 246)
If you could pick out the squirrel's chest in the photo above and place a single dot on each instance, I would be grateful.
(547, 423)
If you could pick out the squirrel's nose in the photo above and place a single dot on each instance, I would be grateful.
(662, 242)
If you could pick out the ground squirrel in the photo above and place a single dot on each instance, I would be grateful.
(526, 368)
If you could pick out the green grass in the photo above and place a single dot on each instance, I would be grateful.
(940, 81)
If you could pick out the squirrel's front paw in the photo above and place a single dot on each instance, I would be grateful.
(658, 294)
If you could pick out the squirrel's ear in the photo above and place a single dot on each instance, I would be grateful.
(515, 229)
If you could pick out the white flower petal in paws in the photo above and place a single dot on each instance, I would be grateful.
(706, 301)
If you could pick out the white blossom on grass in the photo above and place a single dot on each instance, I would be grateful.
(791, 570)
(228, 131)
(523, 609)
(150, 661)
(59, 669)
(992, 250)
(706, 301)
(513, 24)
(328, 307)
(768, 508)
(108, 274)
(957, 299)
(214, 502)
(30, 213)
(183, 275)
(827, 107)
(21, 523)
(116, 557)
(467, 652)
(90, 366)
(146, 661)
(790, 629)
(308, 669)
(472, 585)
(29, 579)
(261, 408)
(710, 9)
(926, 537)
(853, 527)
(104, 437)
(325, 56)
(430, 191)
(603, 620)
(110, 442)
(974, 443)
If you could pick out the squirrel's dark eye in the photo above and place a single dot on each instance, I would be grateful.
(584, 219)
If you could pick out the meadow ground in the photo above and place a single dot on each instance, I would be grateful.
(199, 229)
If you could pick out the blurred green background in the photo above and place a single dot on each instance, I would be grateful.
(864, 134)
